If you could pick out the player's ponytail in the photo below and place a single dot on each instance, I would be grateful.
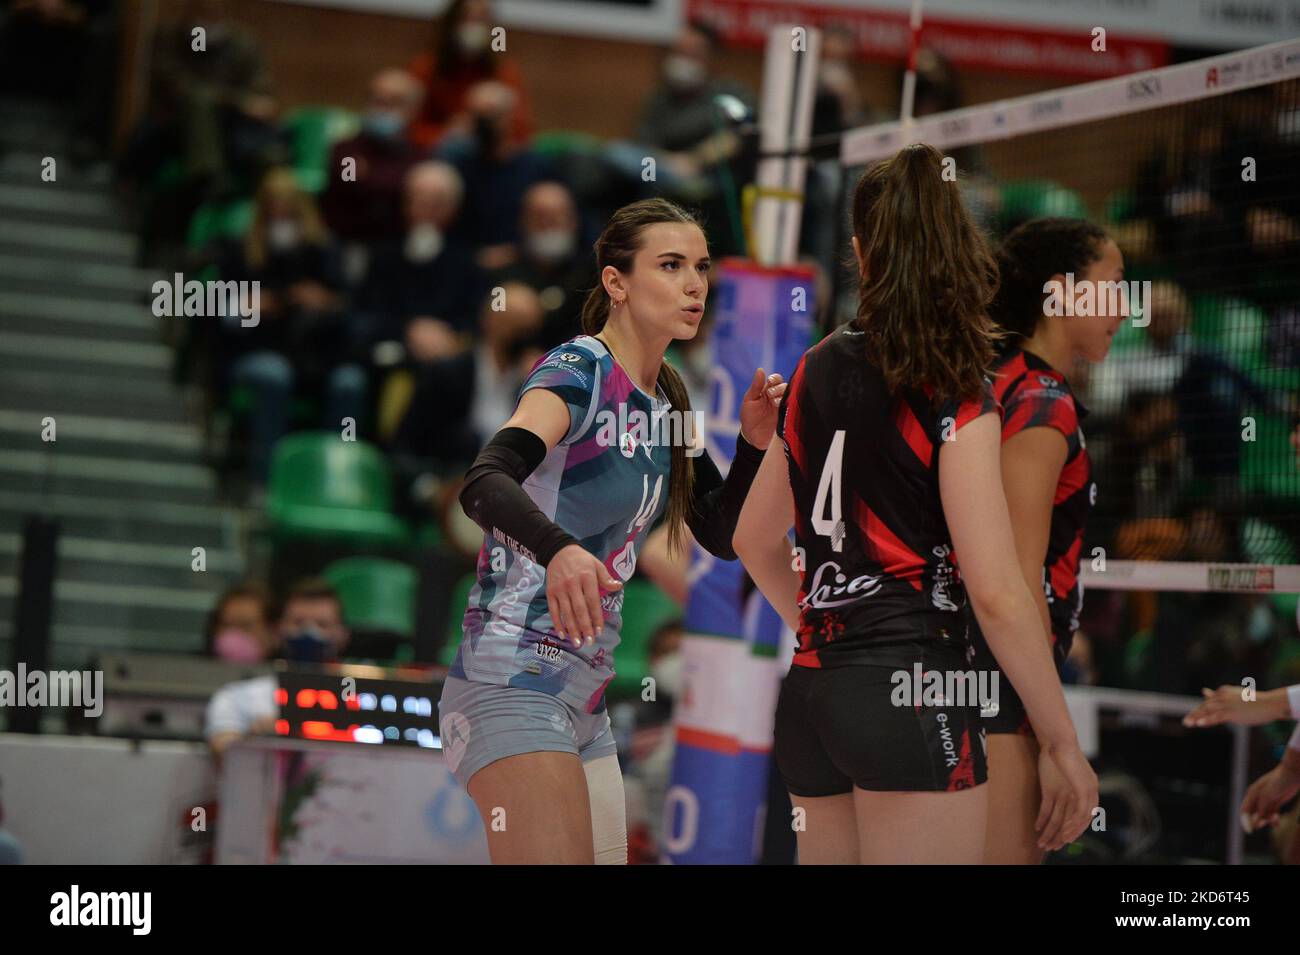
(1029, 256)
(928, 279)
(617, 246)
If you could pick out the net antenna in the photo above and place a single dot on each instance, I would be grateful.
(909, 76)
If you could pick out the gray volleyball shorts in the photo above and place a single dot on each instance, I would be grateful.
(481, 722)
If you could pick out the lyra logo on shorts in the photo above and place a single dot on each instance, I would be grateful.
(454, 730)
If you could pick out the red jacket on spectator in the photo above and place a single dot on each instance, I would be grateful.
(444, 97)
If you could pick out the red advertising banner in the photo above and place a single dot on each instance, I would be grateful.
(883, 35)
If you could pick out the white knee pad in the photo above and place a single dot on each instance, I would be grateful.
(608, 810)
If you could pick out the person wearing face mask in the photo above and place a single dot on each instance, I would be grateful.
(370, 208)
(240, 628)
(298, 344)
(680, 119)
(497, 172)
(461, 56)
(552, 259)
(310, 630)
(420, 292)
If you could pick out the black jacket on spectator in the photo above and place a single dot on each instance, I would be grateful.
(563, 289)
(395, 290)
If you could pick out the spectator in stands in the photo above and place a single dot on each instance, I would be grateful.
(310, 630)
(680, 119)
(839, 105)
(552, 260)
(241, 627)
(298, 345)
(368, 208)
(1210, 393)
(463, 400)
(497, 172)
(421, 289)
(1190, 192)
(1154, 364)
(210, 127)
(462, 56)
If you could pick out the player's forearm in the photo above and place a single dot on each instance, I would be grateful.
(716, 504)
(1014, 632)
(768, 562)
(495, 500)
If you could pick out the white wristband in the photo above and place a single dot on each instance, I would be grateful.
(1293, 698)
(1294, 742)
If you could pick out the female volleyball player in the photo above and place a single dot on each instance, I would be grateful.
(889, 460)
(1054, 310)
(567, 491)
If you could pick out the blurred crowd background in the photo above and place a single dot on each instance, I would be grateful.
(384, 177)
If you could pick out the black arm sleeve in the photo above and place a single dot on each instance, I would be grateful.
(494, 500)
(715, 504)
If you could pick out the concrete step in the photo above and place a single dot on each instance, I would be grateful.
(75, 242)
(41, 274)
(101, 436)
(27, 313)
(73, 646)
(124, 607)
(22, 164)
(158, 523)
(138, 399)
(130, 562)
(67, 354)
(56, 471)
(56, 202)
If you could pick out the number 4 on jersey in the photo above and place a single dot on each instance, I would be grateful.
(832, 526)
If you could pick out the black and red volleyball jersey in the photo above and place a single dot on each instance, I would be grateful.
(1033, 394)
(864, 470)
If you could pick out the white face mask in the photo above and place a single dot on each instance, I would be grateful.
(683, 72)
(836, 75)
(472, 37)
(667, 674)
(424, 243)
(552, 245)
(283, 235)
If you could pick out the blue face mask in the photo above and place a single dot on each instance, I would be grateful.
(383, 124)
(307, 645)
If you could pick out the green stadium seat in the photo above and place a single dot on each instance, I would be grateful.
(324, 487)
(314, 130)
(377, 593)
(216, 221)
(1120, 206)
(1268, 463)
(564, 142)
(1032, 198)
